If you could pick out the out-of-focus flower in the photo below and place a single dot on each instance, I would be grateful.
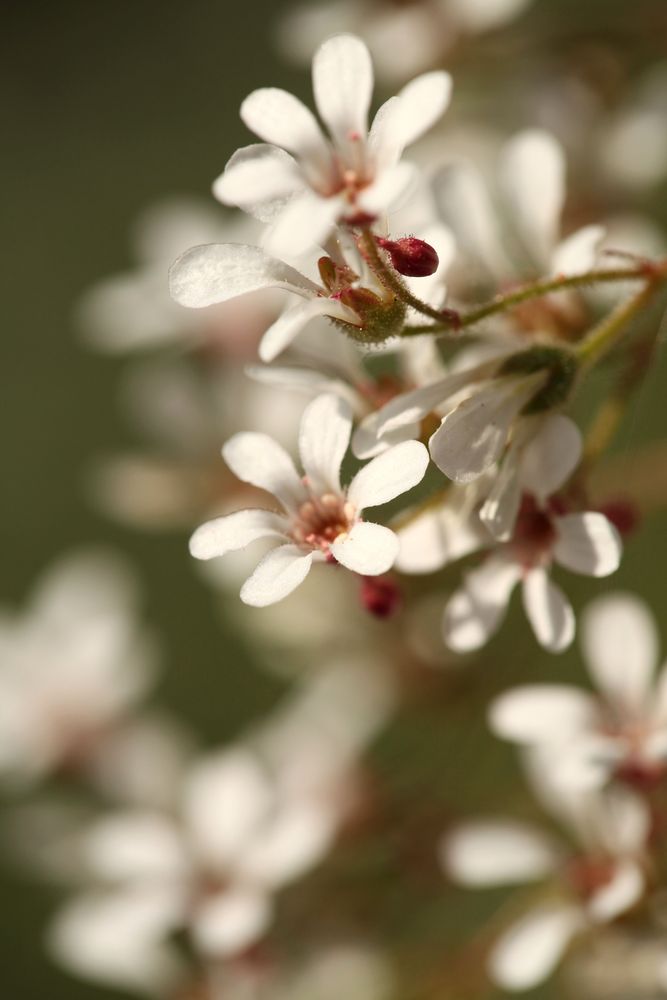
(622, 731)
(71, 668)
(594, 884)
(638, 125)
(354, 174)
(321, 520)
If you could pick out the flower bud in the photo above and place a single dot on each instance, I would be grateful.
(380, 596)
(412, 257)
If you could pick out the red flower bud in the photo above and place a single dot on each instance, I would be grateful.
(623, 514)
(412, 257)
(380, 595)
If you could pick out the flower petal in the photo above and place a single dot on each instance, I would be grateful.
(465, 205)
(368, 549)
(324, 435)
(258, 459)
(551, 456)
(283, 120)
(217, 272)
(548, 611)
(235, 531)
(620, 643)
(406, 117)
(475, 611)
(304, 222)
(542, 713)
(533, 177)
(497, 852)
(416, 404)
(618, 895)
(578, 252)
(135, 845)
(530, 951)
(278, 574)
(501, 507)
(390, 190)
(587, 543)
(290, 324)
(436, 538)
(295, 839)
(343, 87)
(232, 920)
(389, 475)
(258, 178)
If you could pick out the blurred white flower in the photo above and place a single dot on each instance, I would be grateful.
(321, 520)
(351, 175)
(622, 730)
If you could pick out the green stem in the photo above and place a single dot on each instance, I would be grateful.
(612, 328)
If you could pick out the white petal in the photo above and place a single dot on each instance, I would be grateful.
(295, 839)
(368, 549)
(278, 574)
(283, 120)
(436, 538)
(343, 86)
(466, 206)
(475, 611)
(587, 543)
(497, 852)
(412, 406)
(258, 459)
(501, 507)
(290, 324)
(367, 443)
(533, 176)
(232, 921)
(410, 114)
(135, 845)
(217, 272)
(619, 895)
(578, 252)
(324, 435)
(620, 643)
(390, 190)
(235, 531)
(389, 475)
(530, 951)
(303, 223)
(548, 611)
(473, 435)
(257, 177)
(542, 713)
(551, 456)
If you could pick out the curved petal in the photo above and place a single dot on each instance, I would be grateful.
(257, 178)
(389, 475)
(548, 611)
(283, 120)
(530, 951)
(551, 456)
(416, 404)
(500, 509)
(542, 713)
(587, 543)
(290, 324)
(303, 223)
(368, 549)
(292, 842)
(135, 845)
(324, 435)
(532, 172)
(578, 252)
(465, 205)
(217, 272)
(343, 87)
(390, 190)
(235, 531)
(475, 611)
(257, 459)
(620, 643)
(436, 538)
(406, 117)
(232, 920)
(497, 852)
(278, 574)
(619, 895)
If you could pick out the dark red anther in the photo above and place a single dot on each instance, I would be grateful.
(623, 514)
(412, 257)
(380, 595)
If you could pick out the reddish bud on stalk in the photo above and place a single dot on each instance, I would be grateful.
(623, 514)
(412, 257)
(380, 595)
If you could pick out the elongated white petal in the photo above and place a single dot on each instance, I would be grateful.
(620, 643)
(290, 324)
(390, 190)
(232, 920)
(404, 118)
(619, 895)
(324, 435)
(389, 475)
(473, 435)
(578, 252)
(235, 531)
(499, 511)
(587, 543)
(497, 852)
(475, 611)
(542, 713)
(294, 840)
(217, 272)
(530, 951)
(135, 845)
(258, 176)
(283, 120)
(343, 86)
(551, 456)
(412, 406)
(465, 205)
(368, 549)
(278, 574)
(305, 221)
(436, 538)
(548, 611)
(533, 176)
(258, 459)
(367, 442)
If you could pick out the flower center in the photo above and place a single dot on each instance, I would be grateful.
(321, 519)
(534, 534)
(588, 875)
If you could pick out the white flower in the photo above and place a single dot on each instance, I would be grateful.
(320, 520)
(598, 882)
(353, 175)
(71, 667)
(622, 731)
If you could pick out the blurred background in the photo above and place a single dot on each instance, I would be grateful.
(108, 108)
